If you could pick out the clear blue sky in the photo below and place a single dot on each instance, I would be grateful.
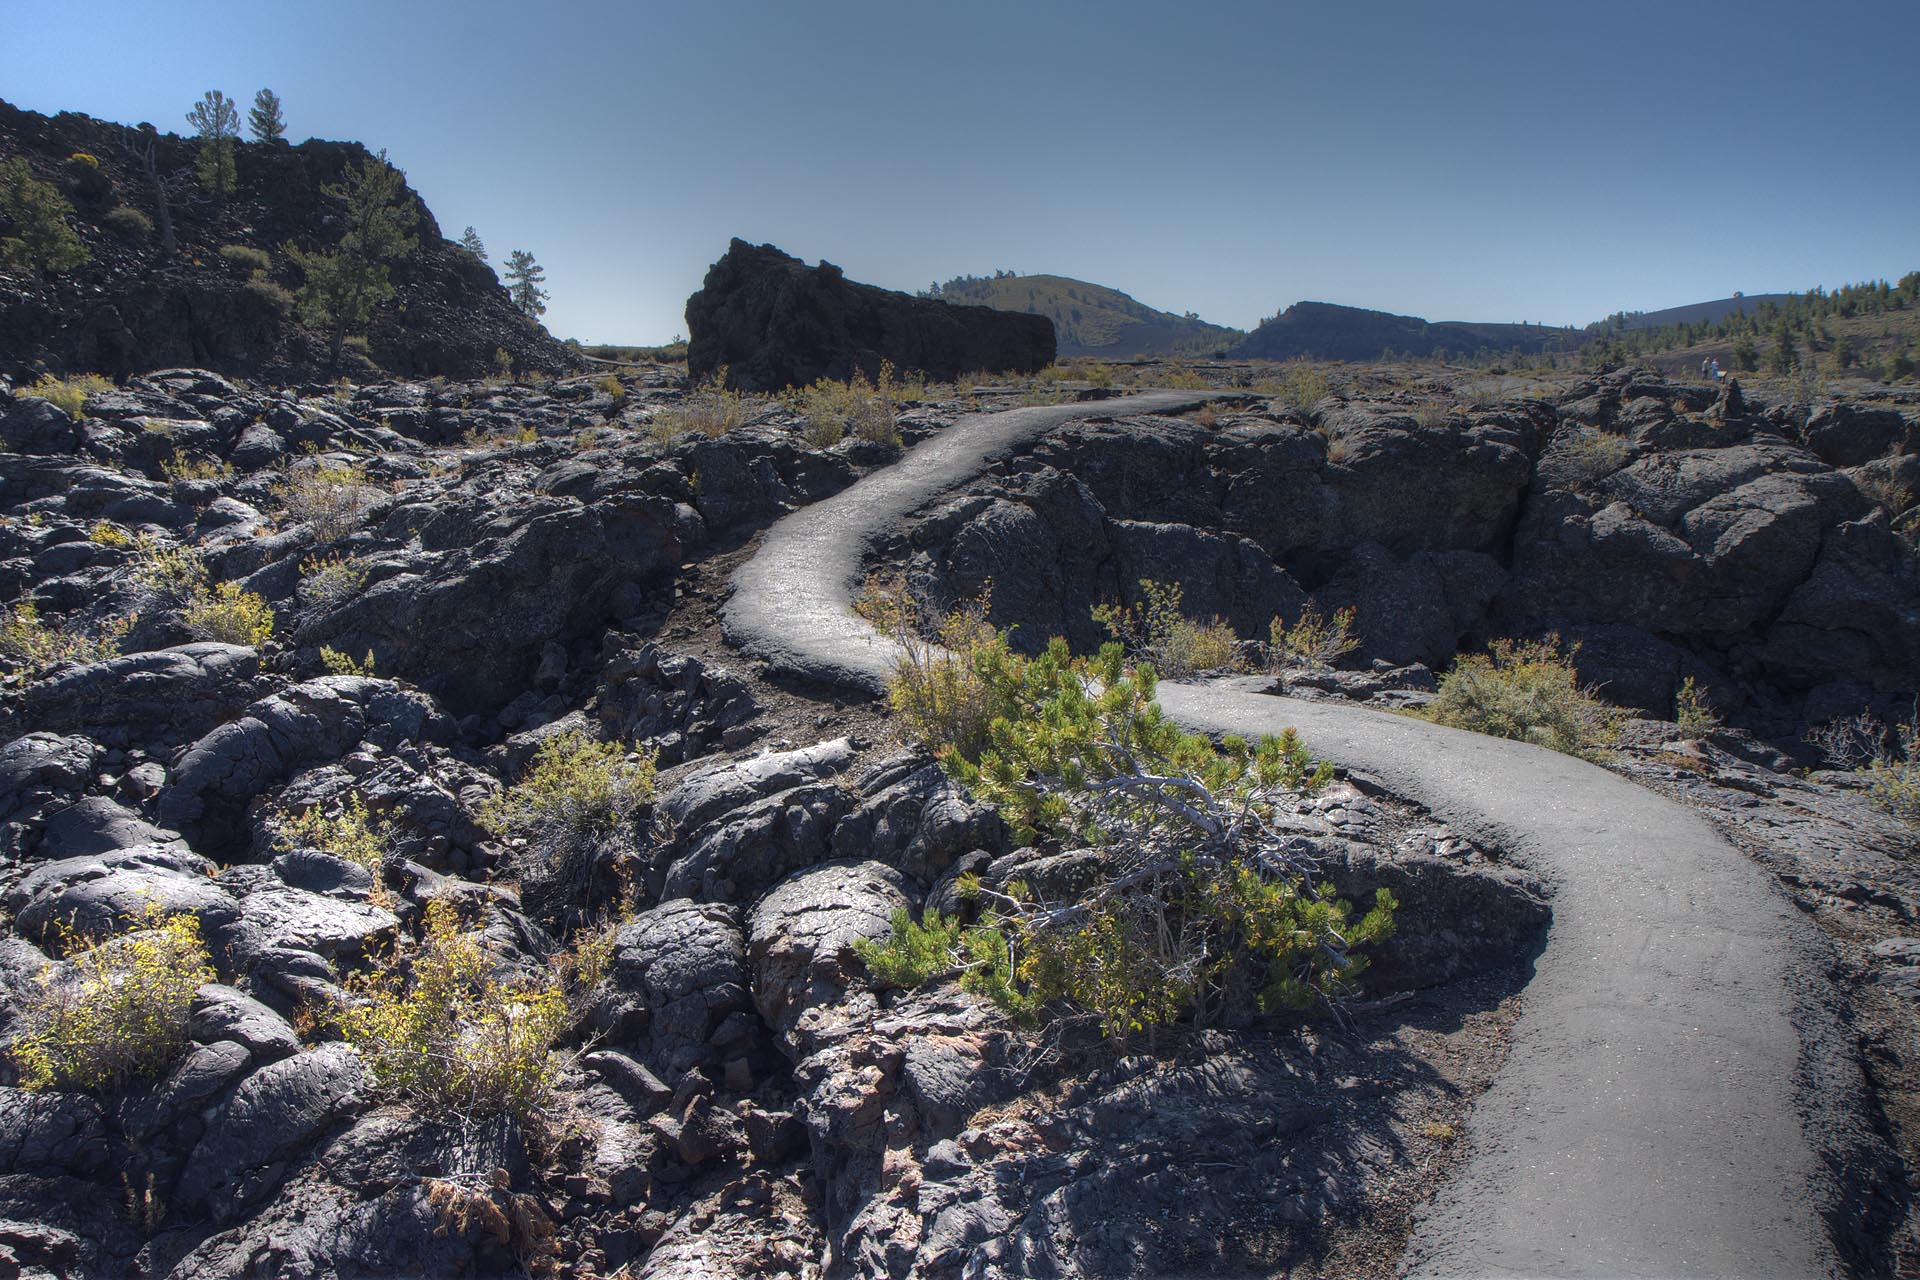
(1533, 160)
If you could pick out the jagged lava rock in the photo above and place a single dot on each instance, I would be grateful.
(775, 322)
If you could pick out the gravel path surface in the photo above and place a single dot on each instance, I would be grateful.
(1680, 1099)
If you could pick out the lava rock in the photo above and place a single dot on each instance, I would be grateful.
(775, 322)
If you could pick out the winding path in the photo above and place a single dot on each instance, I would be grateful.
(1678, 1099)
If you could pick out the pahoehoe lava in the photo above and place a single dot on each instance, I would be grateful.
(1680, 1098)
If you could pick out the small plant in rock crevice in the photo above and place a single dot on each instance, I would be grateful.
(70, 394)
(1313, 643)
(116, 1009)
(32, 645)
(1692, 712)
(937, 689)
(1158, 632)
(572, 811)
(351, 834)
(1528, 691)
(443, 1031)
(230, 614)
(328, 497)
(327, 580)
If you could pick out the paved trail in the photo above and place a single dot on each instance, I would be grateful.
(1678, 1087)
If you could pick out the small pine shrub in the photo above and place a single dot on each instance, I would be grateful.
(1315, 643)
(1157, 632)
(1201, 903)
(442, 1031)
(32, 646)
(118, 1012)
(34, 216)
(127, 222)
(246, 256)
(338, 663)
(915, 953)
(70, 394)
(1528, 691)
(327, 580)
(231, 615)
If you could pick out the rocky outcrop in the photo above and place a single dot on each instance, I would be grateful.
(1670, 532)
(134, 307)
(773, 322)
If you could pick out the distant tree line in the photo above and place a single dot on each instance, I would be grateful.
(1777, 335)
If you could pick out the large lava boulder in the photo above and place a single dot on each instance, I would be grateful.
(772, 321)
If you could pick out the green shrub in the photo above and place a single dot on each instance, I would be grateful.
(1528, 691)
(937, 689)
(34, 235)
(127, 222)
(1314, 642)
(1590, 456)
(338, 663)
(231, 615)
(576, 785)
(106, 533)
(70, 394)
(175, 575)
(351, 834)
(183, 466)
(442, 1031)
(327, 497)
(1895, 785)
(118, 1012)
(1303, 386)
(1156, 631)
(1692, 712)
(612, 386)
(272, 298)
(834, 409)
(1201, 898)
(32, 646)
(245, 255)
(327, 580)
(1178, 377)
(711, 411)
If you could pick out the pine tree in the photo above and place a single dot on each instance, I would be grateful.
(34, 234)
(524, 278)
(265, 120)
(217, 120)
(345, 285)
(470, 241)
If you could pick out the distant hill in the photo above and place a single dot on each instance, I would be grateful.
(1090, 319)
(1326, 331)
(1695, 313)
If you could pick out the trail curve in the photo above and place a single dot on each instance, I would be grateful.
(1679, 1099)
